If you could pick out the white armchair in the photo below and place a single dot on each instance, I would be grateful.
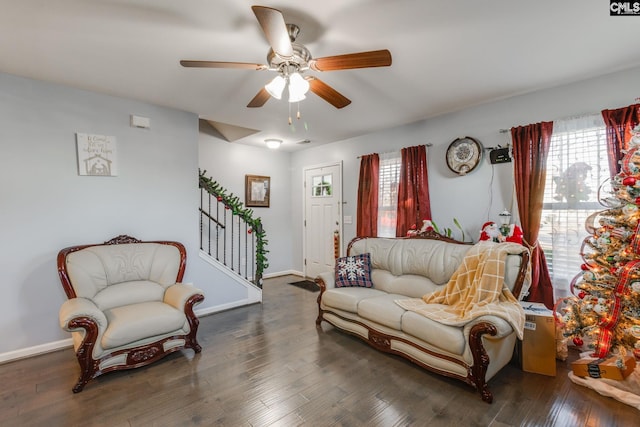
(126, 307)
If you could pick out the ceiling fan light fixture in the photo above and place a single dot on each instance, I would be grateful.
(273, 143)
(276, 86)
(298, 87)
(296, 97)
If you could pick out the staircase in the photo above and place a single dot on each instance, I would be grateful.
(230, 234)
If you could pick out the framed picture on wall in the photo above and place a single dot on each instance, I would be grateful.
(257, 191)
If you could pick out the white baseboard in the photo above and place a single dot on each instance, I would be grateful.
(223, 307)
(283, 273)
(35, 350)
(254, 297)
(23, 353)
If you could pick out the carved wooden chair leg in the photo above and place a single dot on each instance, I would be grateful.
(322, 287)
(481, 359)
(84, 354)
(191, 340)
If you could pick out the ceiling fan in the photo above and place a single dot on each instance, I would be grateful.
(290, 59)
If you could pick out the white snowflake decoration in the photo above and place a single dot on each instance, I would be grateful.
(351, 267)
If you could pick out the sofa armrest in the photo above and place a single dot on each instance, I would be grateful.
(177, 295)
(503, 328)
(328, 278)
(76, 308)
(87, 323)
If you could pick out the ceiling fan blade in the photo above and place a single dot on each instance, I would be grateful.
(374, 58)
(327, 93)
(259, 100)
(218, 64)
(275, 29)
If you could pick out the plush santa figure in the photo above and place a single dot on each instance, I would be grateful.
(412, 231)
(427, 225)
(515, 234)
(490, 231)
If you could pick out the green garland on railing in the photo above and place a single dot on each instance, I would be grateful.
(233, 203)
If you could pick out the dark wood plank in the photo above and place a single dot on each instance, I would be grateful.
(268, 365)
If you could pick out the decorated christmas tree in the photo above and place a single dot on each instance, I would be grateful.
(604, 311)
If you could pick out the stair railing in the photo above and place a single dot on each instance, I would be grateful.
(229, 233)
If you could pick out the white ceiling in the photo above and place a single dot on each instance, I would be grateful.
(447, 55)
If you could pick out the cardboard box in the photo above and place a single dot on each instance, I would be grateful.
(604, 368)
(537, 351)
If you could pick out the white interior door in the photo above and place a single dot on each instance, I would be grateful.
(322, 218)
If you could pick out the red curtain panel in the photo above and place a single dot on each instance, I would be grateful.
(367, 216)
(530, 150)
(619, 123)
(413, 190)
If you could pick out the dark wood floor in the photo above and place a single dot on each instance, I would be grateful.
(267, 364)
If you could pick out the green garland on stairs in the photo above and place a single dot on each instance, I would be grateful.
(234, 204)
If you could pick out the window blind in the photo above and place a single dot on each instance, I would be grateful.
(388, 193)
(576, 167)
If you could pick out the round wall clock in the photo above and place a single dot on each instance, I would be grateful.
(463, 155)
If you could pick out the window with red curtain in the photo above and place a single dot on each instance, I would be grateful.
(414, 205)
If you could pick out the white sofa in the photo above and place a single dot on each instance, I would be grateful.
(410, 268)
(126, 307)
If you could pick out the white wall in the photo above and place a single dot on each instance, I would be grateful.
(228, 163)
(481, 195)
(46, 206)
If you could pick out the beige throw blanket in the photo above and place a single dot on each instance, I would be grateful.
(476, 289)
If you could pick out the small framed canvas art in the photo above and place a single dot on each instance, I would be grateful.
(96, 155)
(257, 191)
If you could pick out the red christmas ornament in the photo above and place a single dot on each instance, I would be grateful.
(638, 201)
(636, 353)
(584, 267)
(249, 231)
(581, 294)
(578, 341)
(219, 198)
(630, 181)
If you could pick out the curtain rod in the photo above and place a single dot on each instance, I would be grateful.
(389, 152)
(578, 116)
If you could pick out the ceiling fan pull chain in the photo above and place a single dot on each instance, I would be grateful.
(290, 121)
